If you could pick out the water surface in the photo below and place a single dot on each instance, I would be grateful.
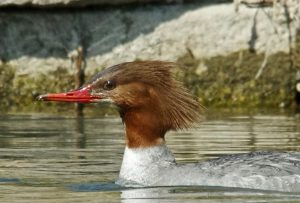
(47, 158)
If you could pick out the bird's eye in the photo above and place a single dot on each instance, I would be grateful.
(109, 85)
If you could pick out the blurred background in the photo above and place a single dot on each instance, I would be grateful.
(242, 53)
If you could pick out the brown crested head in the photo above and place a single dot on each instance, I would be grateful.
(150, 100)
(148, 85)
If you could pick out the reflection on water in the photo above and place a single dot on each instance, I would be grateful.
(55, 158)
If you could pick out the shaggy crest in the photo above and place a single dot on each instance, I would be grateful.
(176, 108)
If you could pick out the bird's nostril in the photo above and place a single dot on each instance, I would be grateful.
(69, 94)
(40, 98)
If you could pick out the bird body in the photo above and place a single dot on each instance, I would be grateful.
(152, 102)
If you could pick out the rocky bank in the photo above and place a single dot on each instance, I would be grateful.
(247, 57)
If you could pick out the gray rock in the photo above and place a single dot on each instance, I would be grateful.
(69, 2)
(83, 3)
(39, 41)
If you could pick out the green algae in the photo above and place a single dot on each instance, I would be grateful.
(230, 81)
(7, 74)
(27, 88)
(222, 81)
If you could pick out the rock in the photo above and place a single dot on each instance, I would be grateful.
(84, 3)
(38, 46)
(51, 3)
(40, 41)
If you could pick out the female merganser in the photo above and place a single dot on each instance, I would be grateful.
(151, 102)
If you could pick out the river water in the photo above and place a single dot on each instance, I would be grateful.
(58, 158)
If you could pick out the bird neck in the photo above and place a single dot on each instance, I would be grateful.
(143, 128)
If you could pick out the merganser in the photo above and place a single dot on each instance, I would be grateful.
(151, 102)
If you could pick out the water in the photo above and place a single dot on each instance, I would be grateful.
(64, 159)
